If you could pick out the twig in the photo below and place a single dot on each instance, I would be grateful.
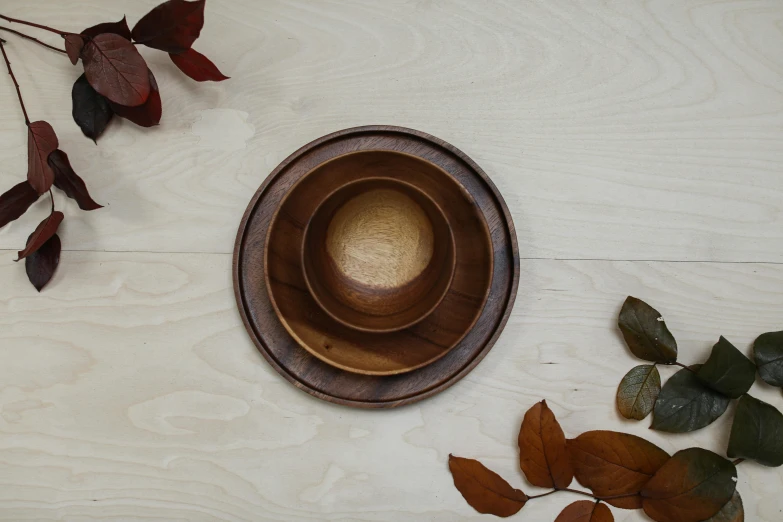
(14, 31)
(31, 24)
(16, 84)
(738, 461)
(584, 493)
(52, 196)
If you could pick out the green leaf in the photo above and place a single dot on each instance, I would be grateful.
(685, 404)
(768, 352)
(757, 432)
(692, 486)
(732, 511)
(637, 391)
(645, 332)
(727, 370)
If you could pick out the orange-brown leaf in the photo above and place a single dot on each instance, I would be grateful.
(585, 511)
(543, 454)
(484, 489)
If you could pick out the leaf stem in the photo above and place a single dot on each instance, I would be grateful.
(675, 363)
(16, 84)
(584, 493)
(14, 31)
(738, 461)
(52, 197)
(31, 24)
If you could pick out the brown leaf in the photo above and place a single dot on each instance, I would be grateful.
(121, 28)
(41, 264)
(611, 463)
(485, 490)
(116, 70)
(543, 454)
(197, 66)
(585, 511)
(733, 511)
(69, 182)
(45, 230)
(73, 46)
(41, 141)
(146, 115)
(16, 201)
(172, 26)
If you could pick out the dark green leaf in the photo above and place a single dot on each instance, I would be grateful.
(733, 511)
(757, 432)
(768, 352)
(637, 392)
(692, 486)
(727, 370)
(685, 404)
(645, 332)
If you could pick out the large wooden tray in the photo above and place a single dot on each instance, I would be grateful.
(311, 374)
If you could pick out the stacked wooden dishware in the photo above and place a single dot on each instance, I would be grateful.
(376, 266)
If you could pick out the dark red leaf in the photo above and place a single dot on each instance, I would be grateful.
(41, 264)
(41, 141)
(485, 490)
(91, 111)
(116, 70)
(585, 511)
(147, 115)
(543, 454)
(16, 201)
(69, 182)
(173, 26)
(197, 66)
(121, 28)
(73, 46)
(45, 230)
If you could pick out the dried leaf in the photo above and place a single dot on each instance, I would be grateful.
(45, 230)
(485, 490)
(41, 141)
(685, 404)
(121, 28)
(727, 370)
(91, 111)
(73, 46)
(646, 333)
(116, 70)
(146, 115)
(69, 182)
(543, 453)
(757, 432)
(768, 353)
(585, 511)
(611, 463)
(15, 202)
(637, 392)
(197, 66)
(691, 487)
(42, 264)
(172, 26)
(732, 511)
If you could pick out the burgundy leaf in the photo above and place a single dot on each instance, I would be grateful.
(73, 46)
(91, 111)
(116, 70)
(69, 182)
(173, 26)
(45, 230)
(121, 28)
(16, 201)
(41, 141)
(41, 264)
(147, 115)
(197, 66)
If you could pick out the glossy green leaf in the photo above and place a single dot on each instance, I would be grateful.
(646, 333)
(638, 391)
(685, 404)
(727, 370)
(768, 352)
(732, 511)
(757, 432)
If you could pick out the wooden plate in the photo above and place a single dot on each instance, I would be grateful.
(313, 375)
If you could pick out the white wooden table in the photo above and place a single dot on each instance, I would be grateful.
(638, 144)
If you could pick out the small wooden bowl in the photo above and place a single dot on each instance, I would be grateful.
(378, 255)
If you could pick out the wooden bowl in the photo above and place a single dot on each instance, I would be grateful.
(352, 349)
(378, 255)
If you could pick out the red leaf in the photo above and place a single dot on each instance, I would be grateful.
(543, 454)
(41, 141)
(147, 115)
(73, 46)
(121, 28)
(41, 265)
(16, 201)
(69, 182)
(485, 490)
(197, 66)
(45, 230)
(116, 70)
(173, 26)
(585, 511)
(91, 111)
